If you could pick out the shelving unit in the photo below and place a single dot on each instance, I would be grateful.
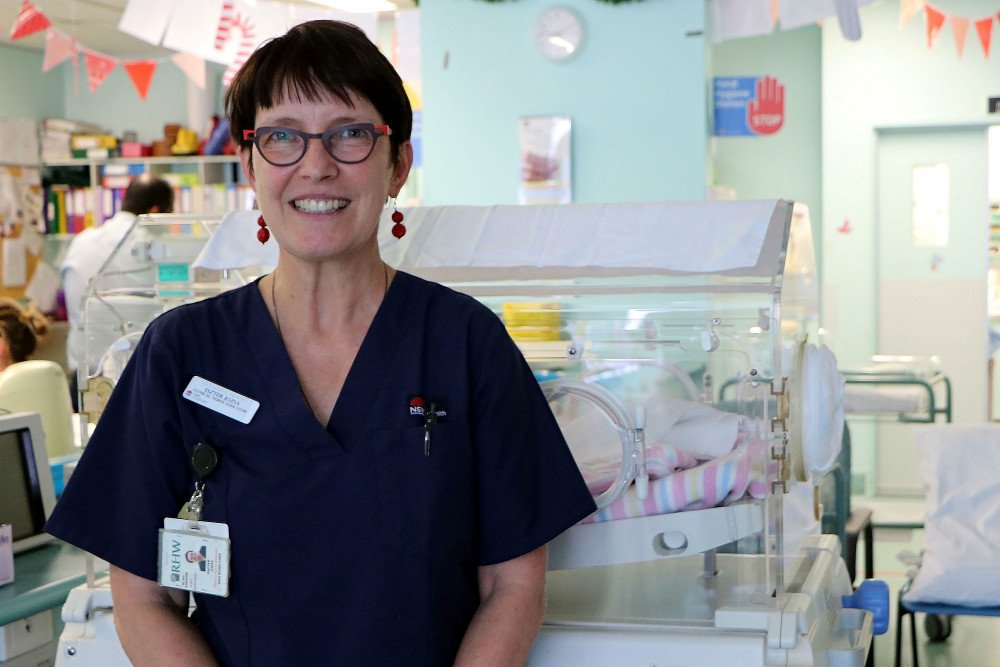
(209, 184)
(210, 168)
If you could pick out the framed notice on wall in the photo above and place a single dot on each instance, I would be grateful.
(545, 160)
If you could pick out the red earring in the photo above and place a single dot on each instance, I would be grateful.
(398, 229)
(262, 234)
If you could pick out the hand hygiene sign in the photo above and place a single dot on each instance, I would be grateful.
(747, 106)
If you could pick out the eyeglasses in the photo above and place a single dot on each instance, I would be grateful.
(349, 144)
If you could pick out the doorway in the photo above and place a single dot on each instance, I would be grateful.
(933, 222)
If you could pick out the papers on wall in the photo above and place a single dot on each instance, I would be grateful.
(15, 262)
(18, 141)
(43, 288)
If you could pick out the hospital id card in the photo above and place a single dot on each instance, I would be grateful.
(194, 556)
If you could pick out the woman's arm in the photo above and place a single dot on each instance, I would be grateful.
(153, 626)
(512, 602)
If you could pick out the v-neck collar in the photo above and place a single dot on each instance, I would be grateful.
(361, 386)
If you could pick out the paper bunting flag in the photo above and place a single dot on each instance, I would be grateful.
(734, 19)
(935, 19)
(908, 9)
(984, 28)
(99, 66)
(141, 73)
(29, 21)
(58, 47)
(192, 66)
(959, 29)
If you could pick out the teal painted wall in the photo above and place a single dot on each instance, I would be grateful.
(26, 92)
(635, 92)
(117, 107)
(787, 163)
(888, 78)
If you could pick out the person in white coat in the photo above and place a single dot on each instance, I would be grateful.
(147, 193)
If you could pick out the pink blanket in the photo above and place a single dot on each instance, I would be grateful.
(679, 482)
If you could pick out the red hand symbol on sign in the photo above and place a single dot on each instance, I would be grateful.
(766, 113)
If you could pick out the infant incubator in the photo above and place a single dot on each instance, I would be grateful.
(672, 341)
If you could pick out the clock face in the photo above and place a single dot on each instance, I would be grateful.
(558, 33)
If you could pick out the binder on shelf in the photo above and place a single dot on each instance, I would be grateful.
(61, 211)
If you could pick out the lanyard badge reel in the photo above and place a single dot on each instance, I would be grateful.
(194, 554)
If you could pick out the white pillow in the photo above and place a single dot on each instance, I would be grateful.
(960, 467)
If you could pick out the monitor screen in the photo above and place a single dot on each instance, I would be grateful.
(26, 494)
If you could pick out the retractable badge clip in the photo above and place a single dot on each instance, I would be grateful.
(194, 554)
(203, 460)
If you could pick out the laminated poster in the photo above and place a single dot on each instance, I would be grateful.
(545, 160)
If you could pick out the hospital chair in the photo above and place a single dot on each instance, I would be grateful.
(41, 386)
(958, 573)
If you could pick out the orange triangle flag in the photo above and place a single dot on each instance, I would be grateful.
(935, 19)
(29, 21)
(959, 29)
(99, 66)
(141, 73)
(984, 28)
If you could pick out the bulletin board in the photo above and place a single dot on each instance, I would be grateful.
(21, 241)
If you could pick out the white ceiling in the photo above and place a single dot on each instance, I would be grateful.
(93, 23)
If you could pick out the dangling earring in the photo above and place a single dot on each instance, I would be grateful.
(262, 234)
(398, 229)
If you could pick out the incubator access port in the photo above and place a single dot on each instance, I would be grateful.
(670, 543)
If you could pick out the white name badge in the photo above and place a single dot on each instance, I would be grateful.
(194, 556)
(218, 398)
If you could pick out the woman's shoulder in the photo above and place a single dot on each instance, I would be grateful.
(438, 293)
(445, 304)
(218, 310)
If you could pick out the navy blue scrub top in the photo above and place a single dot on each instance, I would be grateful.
(349, 546)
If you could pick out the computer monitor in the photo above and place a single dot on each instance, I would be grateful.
(26, 493)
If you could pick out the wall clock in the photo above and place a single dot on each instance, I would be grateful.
(558, 33)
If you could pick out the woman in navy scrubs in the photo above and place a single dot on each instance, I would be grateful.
(387, 467)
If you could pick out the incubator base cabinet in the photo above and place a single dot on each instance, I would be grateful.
(672, 612)
(89, 638)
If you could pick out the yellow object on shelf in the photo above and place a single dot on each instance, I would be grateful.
(532, 321)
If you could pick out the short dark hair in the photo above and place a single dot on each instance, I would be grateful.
(147, 191)
(309, 60)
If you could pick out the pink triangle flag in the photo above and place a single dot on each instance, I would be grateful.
(141, 73)
(29, 21)
(959, 29)
(984, 28)
(58, 48)
(935, 19)
(99, 66)
(908, 9)
(192, 66)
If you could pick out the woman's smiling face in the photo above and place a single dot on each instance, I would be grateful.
(319, 208)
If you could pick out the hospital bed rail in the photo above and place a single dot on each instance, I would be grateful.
(932, 383)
